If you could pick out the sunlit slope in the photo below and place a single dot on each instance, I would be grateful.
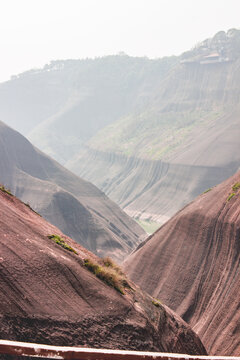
(49, 296)
(195, 102)
(194, 96)
(192, 263)
(207, 154)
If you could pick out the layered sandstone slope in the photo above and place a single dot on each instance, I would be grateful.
(152, 134)
(77, 207)
(48, 295)
(192, 263)
(185, 139)
(155, 189)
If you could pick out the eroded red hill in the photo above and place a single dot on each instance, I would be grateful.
(72, 204)
(192, 264)
(48, 296)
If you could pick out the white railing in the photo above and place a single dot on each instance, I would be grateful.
(77, 353)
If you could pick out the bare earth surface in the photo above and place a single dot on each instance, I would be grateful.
(192, 264)
(48, 296)
(77, 207)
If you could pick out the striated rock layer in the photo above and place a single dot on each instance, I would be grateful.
(192, 263)
(151, 134)
(76, 206)
(193, 124)
(154, 189)
(48, 296)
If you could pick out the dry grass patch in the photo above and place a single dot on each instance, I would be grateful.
(109, 272)
(108, 262)
(7, 191)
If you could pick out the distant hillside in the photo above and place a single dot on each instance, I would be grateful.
(152, 134)
(184, 141)
(63, 105)
(76, 206)
(48, 295)
(192, 264)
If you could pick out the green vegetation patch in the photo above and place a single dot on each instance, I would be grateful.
(149, 226)
(206, 191)
(7, 191)
(151, 134)
(231, 196)
(108, 272)
(156, 302)
(236, 187)
(60, 241)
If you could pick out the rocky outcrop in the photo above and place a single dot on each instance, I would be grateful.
(192, 264)
(48, 295)
(77, 207)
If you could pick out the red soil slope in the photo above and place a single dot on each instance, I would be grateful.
(192, 264)
(72, 204)
(48, 296)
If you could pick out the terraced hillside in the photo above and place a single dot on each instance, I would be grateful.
(192, 263)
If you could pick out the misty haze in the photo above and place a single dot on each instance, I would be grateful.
(120, 178)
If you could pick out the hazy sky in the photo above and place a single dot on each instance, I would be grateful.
(33, 32)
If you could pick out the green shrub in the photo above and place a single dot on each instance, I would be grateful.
(7, 191)
(231, 196)
(156, 302)
(108, 272)
(236, 187)
(60, 241)
(206, 191)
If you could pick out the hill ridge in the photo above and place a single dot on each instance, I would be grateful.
(48, 295)
(73, 204)
(192, 264)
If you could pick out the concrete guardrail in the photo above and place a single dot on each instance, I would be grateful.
(77, 353)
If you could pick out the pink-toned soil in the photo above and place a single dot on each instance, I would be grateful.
(48, 296)
(192, 264)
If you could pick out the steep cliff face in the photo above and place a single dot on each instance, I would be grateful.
(48, 296)
(192, 263)
(76, 206)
